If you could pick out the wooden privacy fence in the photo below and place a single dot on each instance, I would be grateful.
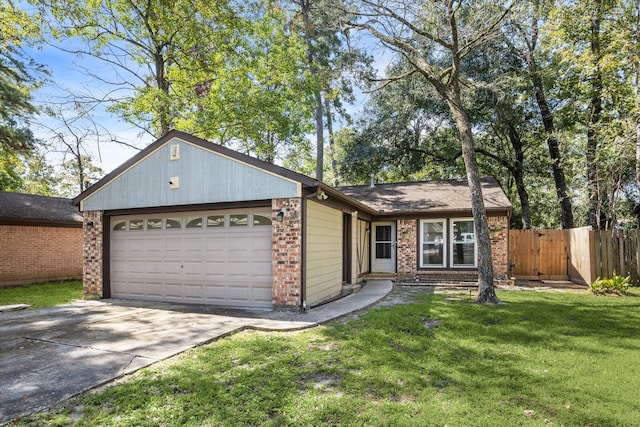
(580, 254)
(539, 254)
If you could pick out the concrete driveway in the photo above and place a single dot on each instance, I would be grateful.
(49, 355)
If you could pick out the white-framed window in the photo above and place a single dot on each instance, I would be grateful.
(238, 220)
(120, 225)
(448, 243)
(154, 224)
(174, 223)
(215, 221)
(433, 243)
(463, 243)
(194, 222)
(136, 224)
(261, 219)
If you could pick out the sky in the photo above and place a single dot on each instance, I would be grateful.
(67, 77)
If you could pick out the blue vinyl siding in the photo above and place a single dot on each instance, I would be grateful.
(205, 177)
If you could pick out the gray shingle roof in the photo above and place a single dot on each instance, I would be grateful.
(427, 197)
(19, 208)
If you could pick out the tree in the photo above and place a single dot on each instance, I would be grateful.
(435, 37)
(329, 61)
(225, 71)
(522, 34)
(18, 78)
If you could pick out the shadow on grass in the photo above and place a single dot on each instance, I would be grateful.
(539, 359)
(545, 353)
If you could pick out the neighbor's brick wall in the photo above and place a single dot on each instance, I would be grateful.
(499, 234)
(92, 252)
(286, 267)
(407, 248)
(30, 254)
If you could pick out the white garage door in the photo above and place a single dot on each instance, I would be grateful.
(214, 257)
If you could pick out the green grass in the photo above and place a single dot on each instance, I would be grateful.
(541, 359)
(43, 294)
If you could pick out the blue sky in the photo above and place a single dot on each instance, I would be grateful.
(67, 77)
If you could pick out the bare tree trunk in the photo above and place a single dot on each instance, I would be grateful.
(332, 154)
(594, 119)
(163, 84)
(319, 137)
(636, 89)
(566, 209)
(518, 175)
(486, 291)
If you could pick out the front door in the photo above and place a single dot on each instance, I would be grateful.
(383, 250)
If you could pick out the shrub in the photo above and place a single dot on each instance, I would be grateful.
(613, 285)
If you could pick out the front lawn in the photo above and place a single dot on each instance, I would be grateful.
(542, 359)
(43, 294)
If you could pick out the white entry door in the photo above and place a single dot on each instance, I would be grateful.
(383, 249)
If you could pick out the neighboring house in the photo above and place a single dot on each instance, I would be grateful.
(189, 221)
(40, 239)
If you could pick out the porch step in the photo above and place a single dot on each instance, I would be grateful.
(444, 283)
(351, 289)
(388, 276)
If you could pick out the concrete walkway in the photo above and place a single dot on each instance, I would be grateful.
(49, 355)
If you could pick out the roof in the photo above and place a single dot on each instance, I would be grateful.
(19, 208)
(426, 197)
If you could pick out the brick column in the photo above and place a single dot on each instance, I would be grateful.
(499, 234)
(286, 267)
(92, 273)
(407, 249)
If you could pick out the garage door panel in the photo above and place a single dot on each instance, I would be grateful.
(154, 289)
(228, 266)
(261, 270)
(173, 290)
(193, 291)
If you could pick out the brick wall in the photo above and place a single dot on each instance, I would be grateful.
(499, 234)
(407, 248)
(30, 254)
(92, 253)
(286, 268)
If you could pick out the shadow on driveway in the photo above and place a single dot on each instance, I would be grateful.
(49, 355)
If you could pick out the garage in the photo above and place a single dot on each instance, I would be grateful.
(218, 257)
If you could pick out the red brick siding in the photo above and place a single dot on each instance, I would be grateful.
(30, 254)
(92, 252)
(286, 268)
(499, 234)
(408, 249)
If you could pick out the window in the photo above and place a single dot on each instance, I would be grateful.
(215, 221)
(433, 243)
(463, 243)
(173, 223)
(448, 243)
(238, 220)
(194, 222)
(383, 241)
(120, 226)
(260, 219)
(154, 224)
(136, 224)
